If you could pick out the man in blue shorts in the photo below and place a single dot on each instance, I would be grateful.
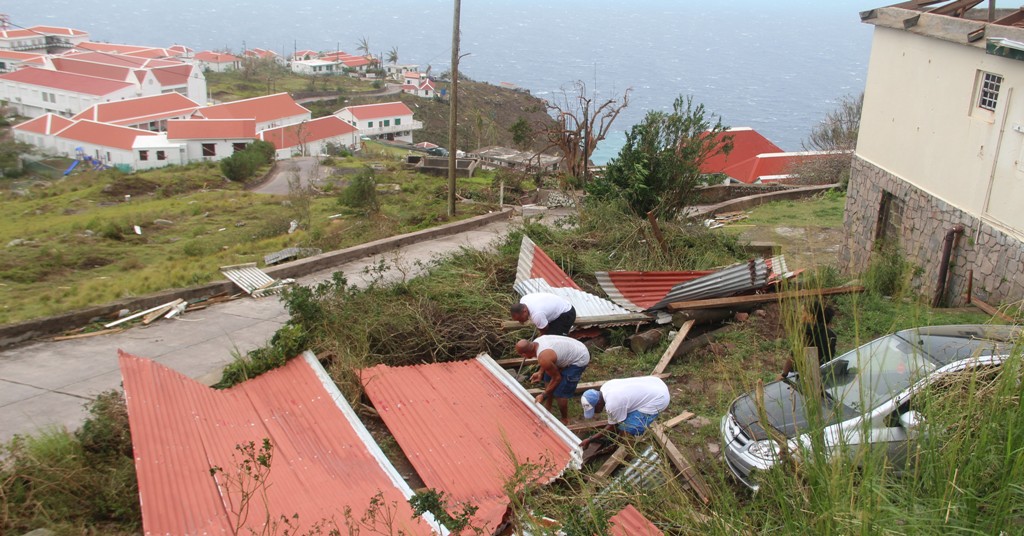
(632, 405)
(562, 361)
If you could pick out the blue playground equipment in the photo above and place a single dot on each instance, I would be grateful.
(71, 168)
(80, 156)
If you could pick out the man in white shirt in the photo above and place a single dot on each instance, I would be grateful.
(553, 315)
(632, 404)
(562, 361)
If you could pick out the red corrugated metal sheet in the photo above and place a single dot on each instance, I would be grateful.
(534, 264)
(637, 291)
(324, 460)
(630, 522)
(458, 422)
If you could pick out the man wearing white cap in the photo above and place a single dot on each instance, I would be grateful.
(632, 404)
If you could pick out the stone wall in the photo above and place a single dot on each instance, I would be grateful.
(996, 258)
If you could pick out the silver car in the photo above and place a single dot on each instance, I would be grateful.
(866, 395)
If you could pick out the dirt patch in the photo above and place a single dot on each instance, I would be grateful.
(133, 186)
(805, 248)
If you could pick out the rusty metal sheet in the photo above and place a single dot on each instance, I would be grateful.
(461, 423)
(324, 460)
(637, 291)
(630, 522)
(738, 278)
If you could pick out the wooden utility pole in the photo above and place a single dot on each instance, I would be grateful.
(454, 111)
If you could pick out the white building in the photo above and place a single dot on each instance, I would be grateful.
(269, 111)
(941, 145)
(389, 120)
(218, 62)
(110, 145)
(211, 139)
(41, 39)
(34, 92)
(309, 138)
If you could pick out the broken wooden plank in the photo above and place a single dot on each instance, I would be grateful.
(148, 319)
(989, 310)
(515, 362)
(612, 463)
(593, 385)
(684, 416)
(670, 352)
(90, 334)
(136, 315)
(762, 298)
(697, 483)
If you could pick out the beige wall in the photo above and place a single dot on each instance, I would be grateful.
(921, 123)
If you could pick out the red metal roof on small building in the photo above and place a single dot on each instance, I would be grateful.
(88, 68)
(630, 522)
(104, 135)
(262, 109)
(211, 129)
(458, 422)
(134, 111)
(637, 291)
(770, 165)
(208, 56)
(315, 130)
(323, 459)
(382, 110)
(746, 144)
(122, 60)
(45, 124)
(74, 83)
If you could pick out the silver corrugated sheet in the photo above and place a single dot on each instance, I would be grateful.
(743, 277)
(288, 254)
(252, 280)
(646, 471)
(586, 304)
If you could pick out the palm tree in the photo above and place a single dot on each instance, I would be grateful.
(393, 55)
(364, 46)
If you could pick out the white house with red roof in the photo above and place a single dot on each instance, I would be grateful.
(211, 139)
(310, 138)
(332, 63)
(301, 55)
(264, 55)
(33, 92)
(424, 88)
(41, 131)
(388, 120)
(218, 62)
(41, 39)
(11, 60)
(269, 111)
(146, 113)
(756, 160)
(157, 151)
(152, 76)
(110, 144)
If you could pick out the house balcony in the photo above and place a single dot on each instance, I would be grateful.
(392, 129)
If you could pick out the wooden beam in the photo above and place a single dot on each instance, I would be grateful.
(638, 318)
(693, 478)
(592, 385)
(515, 362)
(762, 298)
(684, 416)
(612, 463)
(989, 310)
(673, 348)
(136, 315)
(89, 334)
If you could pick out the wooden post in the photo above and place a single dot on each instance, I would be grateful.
(657, 232)
(453, 112)
(673, 348)
(692, 477)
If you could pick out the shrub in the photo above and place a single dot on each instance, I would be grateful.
(240, 166)
(889, 273)
(361, 192)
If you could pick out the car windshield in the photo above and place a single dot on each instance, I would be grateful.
(863, 378)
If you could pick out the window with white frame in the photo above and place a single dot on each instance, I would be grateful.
(988, 97)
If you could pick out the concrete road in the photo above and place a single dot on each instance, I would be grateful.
(46, 384)
(307, 168)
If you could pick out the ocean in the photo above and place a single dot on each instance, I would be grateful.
(777, 67)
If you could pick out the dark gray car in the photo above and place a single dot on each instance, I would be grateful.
(865, 395)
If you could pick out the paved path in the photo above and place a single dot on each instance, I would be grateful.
(45, 384)
(307, 168)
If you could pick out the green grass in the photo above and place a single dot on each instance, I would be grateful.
(823, 210)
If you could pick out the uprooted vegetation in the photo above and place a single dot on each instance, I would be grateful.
(967, 477)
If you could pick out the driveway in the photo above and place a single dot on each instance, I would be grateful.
(306, 168)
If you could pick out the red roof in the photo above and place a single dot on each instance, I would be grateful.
(211, 129)
(638, 291)
(173, 75)
(535, 264)
(630, 522)
(103, 134)
(45, 124)
(25, 57)
(323, 460)
(208, 56)
(305, 54)
(262, 109)
(123, 60)
(457, 423)
(260, 53)
(746, 144)
(768, 165)
(76, 83)
(318, 129)
(142, 109)
(382, 110)
(88, 68)
(45, 30)
(116, 48)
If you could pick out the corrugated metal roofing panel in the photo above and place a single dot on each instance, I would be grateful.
(637, 291)
(252, 280)
(743, 277)
(460, 424)
(586, 304)
(534, 264)
(630, 522)
(324, 460)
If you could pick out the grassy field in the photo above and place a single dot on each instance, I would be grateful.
(72, 243)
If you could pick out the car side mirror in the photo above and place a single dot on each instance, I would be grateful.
(910, 420)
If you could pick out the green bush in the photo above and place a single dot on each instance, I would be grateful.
(361, 192)
(888, 273)
(241, 166)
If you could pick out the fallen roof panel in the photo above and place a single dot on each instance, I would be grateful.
(630, 522)
(637, 291)
(743, 277)
(534, 264)
(460, 423)
(323, 459)
(587, 305)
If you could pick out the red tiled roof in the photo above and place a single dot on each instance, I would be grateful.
(123, 60)
(45, 124)
(25, 57)
(116, 48)
(764, 165)
(382, 110)
(110, 72)
(457, 424)
(630, 522)
(260, 53)
(76, 83)
(103, 134)
(209, 56)
(535, 264)
(36, 30)
(318, 129)
(746, 144)
(637, 291)
(261, 109)
(211, 129)
(173, 75)
(323, 459)
(135, 111)
(305, 53)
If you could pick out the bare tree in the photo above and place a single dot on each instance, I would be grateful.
(581, 121)
(836, 134)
